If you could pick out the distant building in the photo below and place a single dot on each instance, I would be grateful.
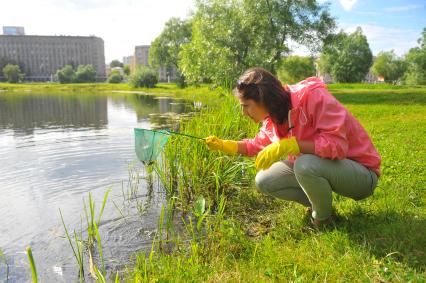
(41, 56)
(141, 57)
(127, 60)
(13, 30)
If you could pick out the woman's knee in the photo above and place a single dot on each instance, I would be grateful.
(306, 164)
(262, 182)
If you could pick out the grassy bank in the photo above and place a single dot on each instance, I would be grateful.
(203, 93)
(245, 236)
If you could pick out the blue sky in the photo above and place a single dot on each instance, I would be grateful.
(392, 24)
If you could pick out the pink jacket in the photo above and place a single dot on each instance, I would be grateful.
(317, 116)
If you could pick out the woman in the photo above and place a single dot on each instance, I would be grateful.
(309, 144)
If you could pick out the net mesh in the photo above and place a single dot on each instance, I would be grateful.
(149, 144)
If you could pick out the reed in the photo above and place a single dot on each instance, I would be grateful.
(32, 264)
(3, 258)
(77, 249)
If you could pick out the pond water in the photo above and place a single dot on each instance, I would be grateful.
(54, 150)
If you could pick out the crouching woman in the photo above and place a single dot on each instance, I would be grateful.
(309, 144)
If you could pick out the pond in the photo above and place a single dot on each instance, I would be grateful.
(54, 150)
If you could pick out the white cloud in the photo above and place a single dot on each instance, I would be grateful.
(403, 8)
(121, 24)
(386, 38)
(347, 4)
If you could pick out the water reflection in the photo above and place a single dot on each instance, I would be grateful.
(54, 149)
(23, 113)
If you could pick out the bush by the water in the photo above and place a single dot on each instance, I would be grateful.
(12, 73)
(115, 78)
(144, 77)
(83, 74)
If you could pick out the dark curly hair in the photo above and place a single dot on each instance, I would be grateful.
(264, 88)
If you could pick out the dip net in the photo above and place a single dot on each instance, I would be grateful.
(149, 144)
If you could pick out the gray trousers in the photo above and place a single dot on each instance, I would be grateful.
(311, 180)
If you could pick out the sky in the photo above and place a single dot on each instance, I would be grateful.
(122, 24)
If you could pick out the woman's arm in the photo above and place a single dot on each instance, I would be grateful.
(242, 148)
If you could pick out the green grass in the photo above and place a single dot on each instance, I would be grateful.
(259, 239)
(32, 264)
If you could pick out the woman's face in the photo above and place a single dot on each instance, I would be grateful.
(257, 112)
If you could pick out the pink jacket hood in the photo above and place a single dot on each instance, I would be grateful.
(301, 90)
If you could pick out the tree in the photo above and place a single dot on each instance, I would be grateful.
(115, 63)
(164, 50)
(416, 63)
(229, 36)
(347, 57)
(126, 69)
(85, 74)
(296, 68)
(115, 77)
(13, 73)
(389, 66)
(66, 75)
(144, 77)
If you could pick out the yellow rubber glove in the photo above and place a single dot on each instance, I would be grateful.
(276, 151)
(228, 146)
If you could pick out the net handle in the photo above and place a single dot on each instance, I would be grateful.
(185, 135)
(175, 133)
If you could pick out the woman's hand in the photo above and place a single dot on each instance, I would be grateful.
(227, 146)
(276, 151)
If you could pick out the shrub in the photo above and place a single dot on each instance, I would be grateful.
(65, 75)
(144, 77)
(85, 74)
(115, 78)
(13, 73)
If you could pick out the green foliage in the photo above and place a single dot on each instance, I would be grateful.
(66, 75)
(126, 69)
(416, 63)
(164, 50)
(347, 58)
(144, 77)
(230, 36)
(115, 63)
(85, 74)
(296, 68)
(389, 66)
(13, 73)
(115, 77)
